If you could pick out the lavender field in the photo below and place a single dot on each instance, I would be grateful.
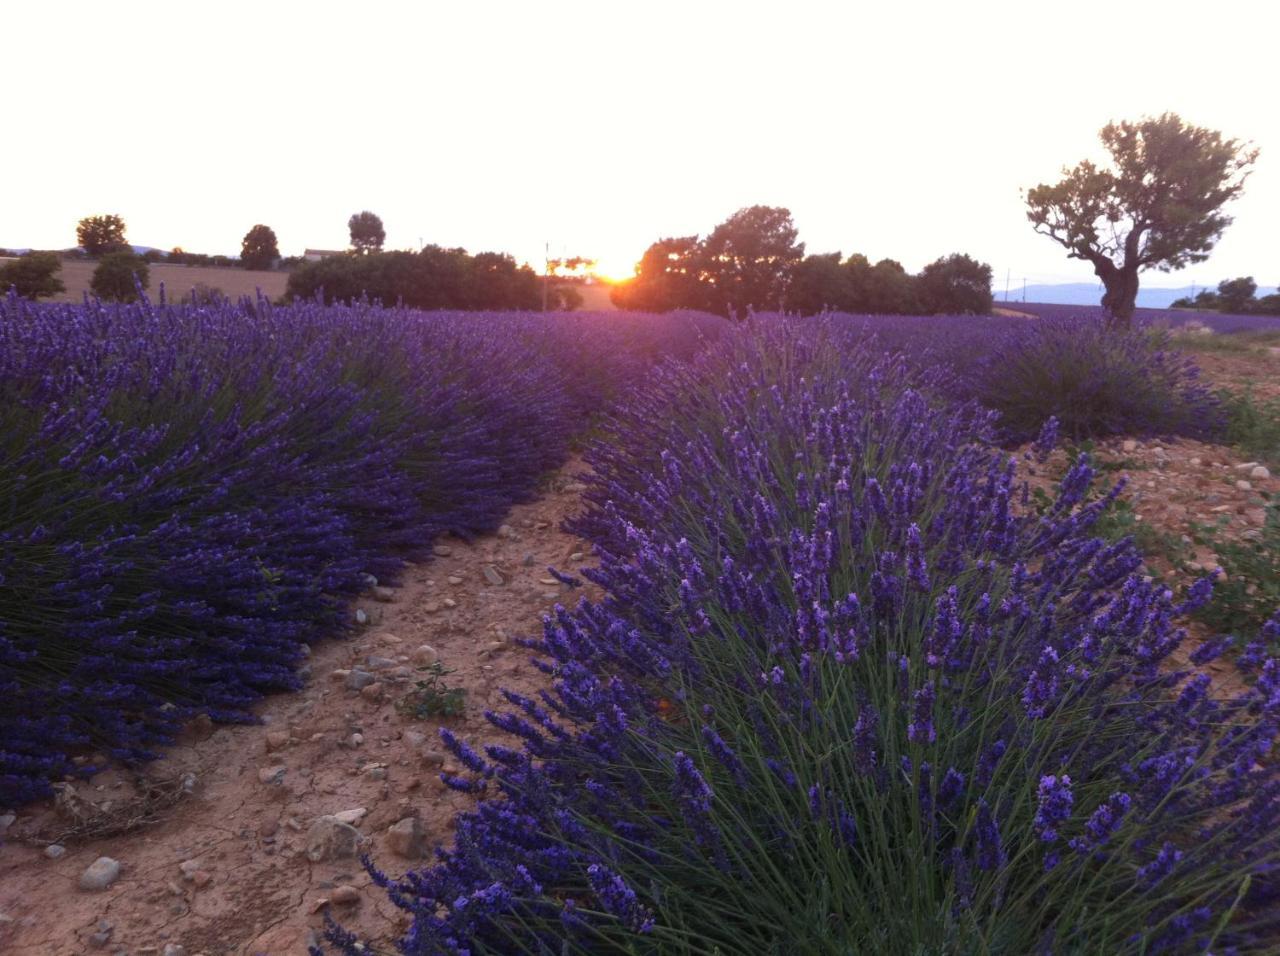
(1167, 318)
(851, 686)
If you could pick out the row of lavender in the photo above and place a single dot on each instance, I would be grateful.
(1094, 379)
(847, 693)
(190, 495)
(1219, 322)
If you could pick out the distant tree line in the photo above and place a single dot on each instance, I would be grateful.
(1235, 296)
(435, 278)
(753, 261)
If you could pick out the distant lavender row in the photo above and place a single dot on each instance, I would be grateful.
(849, 693)
(189, 495)
(1093, 379)
(1170, 318)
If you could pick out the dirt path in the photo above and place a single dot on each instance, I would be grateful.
(244, 863)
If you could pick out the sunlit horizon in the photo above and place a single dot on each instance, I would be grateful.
(905, 134)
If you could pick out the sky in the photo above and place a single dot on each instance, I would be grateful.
(904, 130)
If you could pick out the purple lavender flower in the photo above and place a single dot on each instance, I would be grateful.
(921, 729)
(618, 899)
(1054, 802)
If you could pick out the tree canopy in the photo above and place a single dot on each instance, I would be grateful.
(753, 260)
(99, 235)
(1159, 205)
(435, 278)
(1236, 296)
(367, 234)
(119, 276)
(748, 260)
(668, 276)
(259, 249)
(34, 276)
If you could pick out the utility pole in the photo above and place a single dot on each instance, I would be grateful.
(1007, 273)
(1024, 289)
(546, 272)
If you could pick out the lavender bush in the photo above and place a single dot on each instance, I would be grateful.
(1094, 379)
(846, 695)
(191, 494)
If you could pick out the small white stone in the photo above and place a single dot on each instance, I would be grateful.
(1244, 485)
(1259, 471)
(100, 874)
(1130, 445)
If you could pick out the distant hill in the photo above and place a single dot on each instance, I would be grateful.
(1088, 293)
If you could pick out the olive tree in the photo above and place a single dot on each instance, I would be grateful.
(1159, 205)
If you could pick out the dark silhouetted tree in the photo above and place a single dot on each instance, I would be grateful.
(1236, 295)
(820, 282)
(259, 249)
(434, 278)
(99, 235)
(890, 289)
(748, 260)
(667, 277)
(956, 284)
(367, 234)
(34, 276)
(1158, 207)
(118, 277)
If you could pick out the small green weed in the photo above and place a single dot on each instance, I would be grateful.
(1120, 521)
(1251, 592)
(1253, 426)
(433, 697)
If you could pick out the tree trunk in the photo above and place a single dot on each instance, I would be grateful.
(1121, 295)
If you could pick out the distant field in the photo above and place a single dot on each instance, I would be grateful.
(595, 298)
(178, 280)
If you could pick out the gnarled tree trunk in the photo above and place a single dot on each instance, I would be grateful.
(1121, 290)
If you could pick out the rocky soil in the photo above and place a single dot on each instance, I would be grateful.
(240, 840)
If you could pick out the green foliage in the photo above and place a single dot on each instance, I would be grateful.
(1251, 592)
(34, 276)
(748, 259)
(259, 249)
(1236, 295)
(100, 235)
(203, 294)
(1158, 207)
(1121, 521)
(956, 284)
(432, 696)
(434, 278)
(1253, 426)
(1244, 342)
(367, 234)
(119, 276)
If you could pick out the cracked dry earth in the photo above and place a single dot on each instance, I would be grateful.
(242, 862)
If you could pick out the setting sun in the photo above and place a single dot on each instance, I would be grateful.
(614, 269)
